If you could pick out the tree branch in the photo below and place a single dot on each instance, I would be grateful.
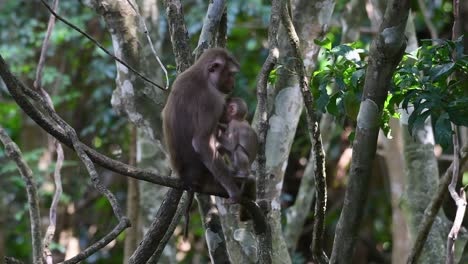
(13, 152)
(170, 230)
(314, 133)
(54, 145)
(158, 228)
(265, 241)
(385, 53)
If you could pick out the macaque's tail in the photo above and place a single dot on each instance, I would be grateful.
(187, 213)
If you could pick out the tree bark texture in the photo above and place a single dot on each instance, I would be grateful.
(422, 178)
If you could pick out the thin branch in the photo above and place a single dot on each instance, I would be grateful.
(265, 241)
(459, 199)
(318, 253)
(99, 45)
(13, 152)
(54, 145)
(170, 230)
(158, 229)
(49, 235)
(45, 45)
(433, 208)
(142, 21)
(123, 224)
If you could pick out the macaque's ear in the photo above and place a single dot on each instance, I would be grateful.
(216, 65)
(234, 68)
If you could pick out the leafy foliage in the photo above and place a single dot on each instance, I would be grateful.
(337, 87)
(429, 82)
(426, 82)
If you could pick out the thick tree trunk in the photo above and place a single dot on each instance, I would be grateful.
(385, 54)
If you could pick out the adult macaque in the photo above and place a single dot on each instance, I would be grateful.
(240, 142)
(190, 121)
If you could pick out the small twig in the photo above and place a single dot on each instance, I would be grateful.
(142, 21)
(123, 223)
(461, 208)
(100, 46)
(460, 200)
(49, 235)
(54, 145)
(45, 45)
(318, 253)
(14, 153)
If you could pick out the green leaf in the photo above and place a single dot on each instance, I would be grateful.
(357, 76)
(458, 111)
(325, 43)
(416, 121)
(351, 136)
(345, 50)
(322, 100)
(441, 70)
(351, 105)
(273, 76)
(332, 106)
(443, 130)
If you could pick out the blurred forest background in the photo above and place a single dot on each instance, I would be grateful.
(81, 79)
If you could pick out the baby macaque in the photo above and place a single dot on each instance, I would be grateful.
(238, 139)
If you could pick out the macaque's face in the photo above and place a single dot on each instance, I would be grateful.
(222, 73)
(232, 111)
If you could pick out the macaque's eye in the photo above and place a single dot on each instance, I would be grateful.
(213, 67)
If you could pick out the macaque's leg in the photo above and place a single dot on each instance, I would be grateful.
(241, 162)
(249, 191)
(206, 148)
